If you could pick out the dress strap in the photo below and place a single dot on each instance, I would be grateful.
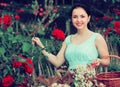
(67, 40)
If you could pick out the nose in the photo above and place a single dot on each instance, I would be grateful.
(79, 19)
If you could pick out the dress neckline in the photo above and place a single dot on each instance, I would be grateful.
(83, 41)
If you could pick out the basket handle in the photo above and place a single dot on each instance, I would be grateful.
(114, 56)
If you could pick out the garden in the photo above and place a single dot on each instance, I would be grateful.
(22, 64)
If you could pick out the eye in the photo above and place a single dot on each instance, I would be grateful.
(82, 16)
(74, 16)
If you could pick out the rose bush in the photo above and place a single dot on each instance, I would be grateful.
(18, 57)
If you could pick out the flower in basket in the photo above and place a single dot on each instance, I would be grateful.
(84, 76)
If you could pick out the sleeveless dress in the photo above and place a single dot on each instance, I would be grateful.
(81, 54)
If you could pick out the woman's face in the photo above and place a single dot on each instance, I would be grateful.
(80, 18)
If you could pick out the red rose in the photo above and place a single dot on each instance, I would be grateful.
(21, 55)
(17, 17)
(7, 20)
(28, 60)
(117, 27)
(28, 66)
(7, 81)
(16, 64)
(58, 34)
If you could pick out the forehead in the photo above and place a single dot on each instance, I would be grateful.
(79, 11)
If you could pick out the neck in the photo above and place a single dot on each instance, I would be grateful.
(83, 32)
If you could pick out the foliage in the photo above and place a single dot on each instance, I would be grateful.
(18, 57)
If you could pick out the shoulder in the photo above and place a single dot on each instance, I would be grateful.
(100, 39)
(67, 39)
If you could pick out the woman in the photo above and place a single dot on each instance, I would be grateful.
(83, 47)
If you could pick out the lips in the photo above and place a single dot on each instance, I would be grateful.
(78, 24)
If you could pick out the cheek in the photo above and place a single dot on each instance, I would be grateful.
(73, 21)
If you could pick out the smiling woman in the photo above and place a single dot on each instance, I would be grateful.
(82, 48)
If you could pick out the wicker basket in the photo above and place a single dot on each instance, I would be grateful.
(109, 79)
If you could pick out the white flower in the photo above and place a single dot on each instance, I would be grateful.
(82, 75)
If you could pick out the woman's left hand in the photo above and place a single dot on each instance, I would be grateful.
(96, 63)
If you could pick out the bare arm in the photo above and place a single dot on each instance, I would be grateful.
(103, 50)
(56, 60)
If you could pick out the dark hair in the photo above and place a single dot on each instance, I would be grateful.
(81, 6)
(73, 29)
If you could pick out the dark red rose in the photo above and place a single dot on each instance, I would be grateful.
(117, 27)
(109, 29)
(40, 14)
(1, 20)
(118, 12)
(20, 10)
(110, 18)
(96, 18)
(55, 10)
(4, 4)
(58, 34)
(106, 33)
(41, 9)
(7, 81)
(105, 17)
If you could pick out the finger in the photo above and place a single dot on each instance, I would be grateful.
(33, 43)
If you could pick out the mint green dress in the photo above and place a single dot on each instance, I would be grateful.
(81, 54)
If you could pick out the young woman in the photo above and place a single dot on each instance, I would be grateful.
(83, 47)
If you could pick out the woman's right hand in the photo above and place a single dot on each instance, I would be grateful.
(36, 40)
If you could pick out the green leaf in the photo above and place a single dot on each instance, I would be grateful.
(1, 33)
(41, 32)
(26, 47)
(19, 38)
(2, 51)
(21, 60)
(10, 29)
